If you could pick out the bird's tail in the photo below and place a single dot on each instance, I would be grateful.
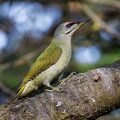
(20, 90)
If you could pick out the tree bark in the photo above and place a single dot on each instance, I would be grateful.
(83, 97)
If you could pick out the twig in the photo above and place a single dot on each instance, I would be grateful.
(6, 90)
(100, 22)
(19, 61)
(115, 4)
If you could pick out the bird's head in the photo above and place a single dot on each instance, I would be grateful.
(68, 28)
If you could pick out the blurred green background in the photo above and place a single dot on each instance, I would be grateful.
(27, 26)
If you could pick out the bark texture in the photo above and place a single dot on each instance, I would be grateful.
(83, 97)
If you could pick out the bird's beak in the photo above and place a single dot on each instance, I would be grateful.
(81, 23)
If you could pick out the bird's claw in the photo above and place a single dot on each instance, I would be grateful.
(62, 81)
(53, 89)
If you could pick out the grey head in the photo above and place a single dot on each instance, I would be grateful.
(68, 28)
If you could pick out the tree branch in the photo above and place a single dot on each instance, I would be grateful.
(84, 97)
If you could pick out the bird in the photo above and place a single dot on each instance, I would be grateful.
(54, 59)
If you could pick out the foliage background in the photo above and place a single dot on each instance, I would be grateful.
(27, 27)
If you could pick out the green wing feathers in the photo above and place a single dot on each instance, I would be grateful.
(44, 61)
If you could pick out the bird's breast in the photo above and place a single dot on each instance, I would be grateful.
(62, 63)
(57, 68)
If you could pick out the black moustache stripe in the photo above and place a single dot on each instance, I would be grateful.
(69, 31)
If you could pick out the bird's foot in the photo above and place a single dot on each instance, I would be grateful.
(63, 80)
(53, 89)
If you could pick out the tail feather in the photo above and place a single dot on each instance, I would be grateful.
(20, 90)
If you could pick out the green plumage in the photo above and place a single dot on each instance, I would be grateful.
(49, 57)
(52, 61)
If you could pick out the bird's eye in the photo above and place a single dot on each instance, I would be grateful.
(70, 24)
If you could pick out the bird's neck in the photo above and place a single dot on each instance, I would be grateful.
(62, 41)
(65, 44)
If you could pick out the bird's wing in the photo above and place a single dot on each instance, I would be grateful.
(49, 57)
